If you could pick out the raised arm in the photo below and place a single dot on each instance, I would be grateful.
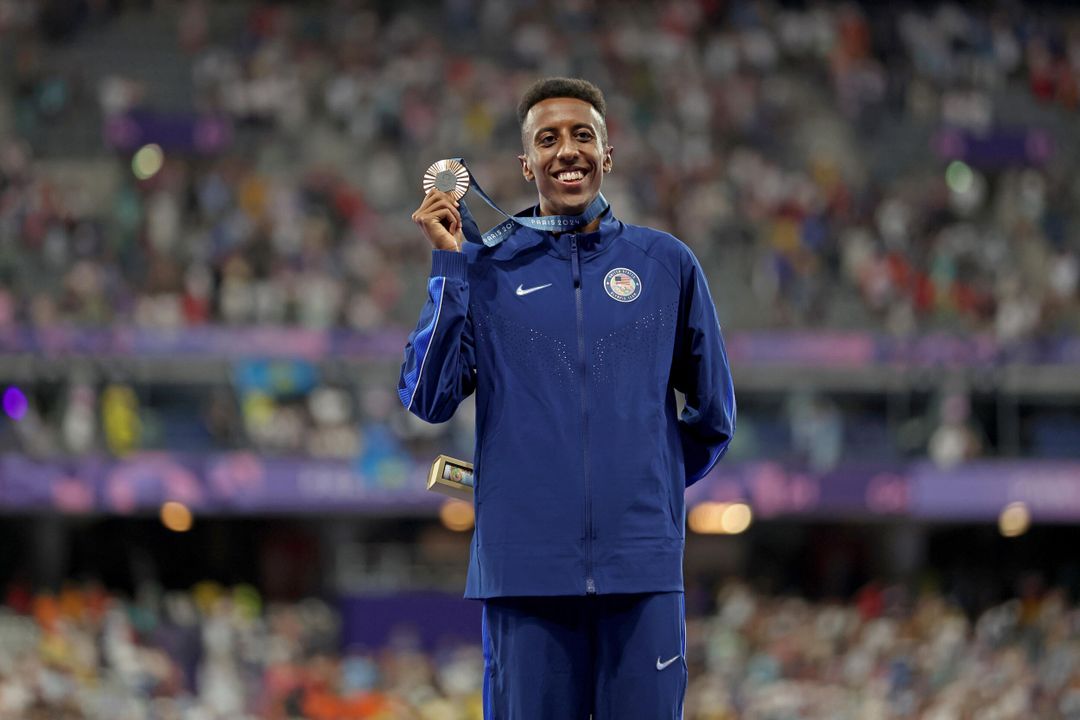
(439, 367)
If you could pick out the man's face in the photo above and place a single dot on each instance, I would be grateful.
(565, 154)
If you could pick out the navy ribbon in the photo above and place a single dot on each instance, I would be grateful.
(544, 223)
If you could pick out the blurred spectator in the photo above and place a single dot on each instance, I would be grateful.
(955, 439)
(817, 430)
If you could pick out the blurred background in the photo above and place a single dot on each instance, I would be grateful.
(211, 500)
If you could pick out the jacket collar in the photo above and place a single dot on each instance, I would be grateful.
(590, 243)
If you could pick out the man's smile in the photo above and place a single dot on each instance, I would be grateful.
(571, 177)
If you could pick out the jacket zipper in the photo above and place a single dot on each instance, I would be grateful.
(575, 264)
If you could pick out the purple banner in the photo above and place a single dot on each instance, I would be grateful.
(243, 483)
(69, 487)
(207, 341)
(184, 132)
(246, 483)
(224, 483)
(980, 490)
(1000, 147)
(817, 348)
(752, 348)
(773, 490)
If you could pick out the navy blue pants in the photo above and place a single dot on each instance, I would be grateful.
(568, 658)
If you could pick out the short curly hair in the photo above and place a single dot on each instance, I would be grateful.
(563, 87)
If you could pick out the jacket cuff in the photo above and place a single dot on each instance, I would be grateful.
(449, 264)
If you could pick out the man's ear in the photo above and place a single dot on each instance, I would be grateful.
(607, 158)
(525, 171)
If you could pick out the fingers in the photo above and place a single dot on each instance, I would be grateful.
(439, 218)
(436, 199)
(438, 203)
(443, 218)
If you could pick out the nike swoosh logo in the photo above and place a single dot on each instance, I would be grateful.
(662, 665)
(523, 291)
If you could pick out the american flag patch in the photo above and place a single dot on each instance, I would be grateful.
(622, 284)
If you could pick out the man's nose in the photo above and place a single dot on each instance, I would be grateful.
(567, 149)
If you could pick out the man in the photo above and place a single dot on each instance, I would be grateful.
(574, 343)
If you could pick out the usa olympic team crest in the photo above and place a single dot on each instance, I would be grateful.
(623, 285)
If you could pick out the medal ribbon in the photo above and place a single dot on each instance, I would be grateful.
(544, 223)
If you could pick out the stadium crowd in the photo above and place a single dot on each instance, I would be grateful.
(844, 165)
(215, 653)
(823, 162)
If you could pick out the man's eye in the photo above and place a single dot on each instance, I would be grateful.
(547, 139)
(585, 136)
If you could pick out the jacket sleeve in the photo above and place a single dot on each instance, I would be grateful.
(440, 368)
(702, 374)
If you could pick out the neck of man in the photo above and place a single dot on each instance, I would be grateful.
(591, 227)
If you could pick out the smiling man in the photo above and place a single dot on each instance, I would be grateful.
(575, 344)
(566, 152)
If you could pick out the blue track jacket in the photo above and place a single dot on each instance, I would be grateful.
(574, 344)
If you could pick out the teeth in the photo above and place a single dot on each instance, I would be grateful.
(571, 175)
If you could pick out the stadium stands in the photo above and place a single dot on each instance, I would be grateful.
(207, 269)
(837, 166)
(215, 652)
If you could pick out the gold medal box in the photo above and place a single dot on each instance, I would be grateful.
(451, 477)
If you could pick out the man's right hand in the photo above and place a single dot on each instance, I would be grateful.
(440, 221)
